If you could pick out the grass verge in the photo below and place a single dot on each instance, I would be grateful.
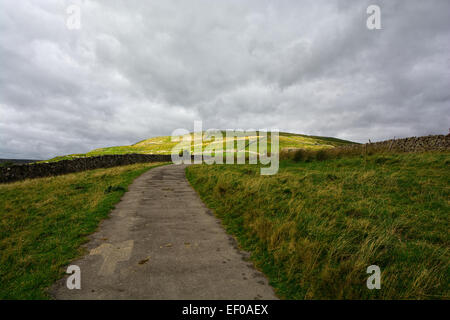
(44, 222)
(316, 226)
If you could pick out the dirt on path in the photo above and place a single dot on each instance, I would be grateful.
(162, 242)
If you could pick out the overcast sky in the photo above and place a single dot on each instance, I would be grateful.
(138, 69)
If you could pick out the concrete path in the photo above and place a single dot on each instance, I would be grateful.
(161, 242)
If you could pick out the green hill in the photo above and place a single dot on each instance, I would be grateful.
(164, 145)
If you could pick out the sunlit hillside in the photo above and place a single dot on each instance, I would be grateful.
(164, 145)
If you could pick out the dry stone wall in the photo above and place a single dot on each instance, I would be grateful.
(412, 144)
(37, 170)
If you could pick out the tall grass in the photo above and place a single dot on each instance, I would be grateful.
(305, 155)
(316, 226)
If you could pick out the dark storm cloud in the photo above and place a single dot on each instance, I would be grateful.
(137, 69)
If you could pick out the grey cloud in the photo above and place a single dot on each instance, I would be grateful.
(138, 69)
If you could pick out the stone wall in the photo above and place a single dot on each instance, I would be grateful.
(16, 161)
(37, 170)
(412, 144)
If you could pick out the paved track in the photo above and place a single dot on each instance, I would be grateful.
(161, 242)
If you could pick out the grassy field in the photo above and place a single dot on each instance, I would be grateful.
(43, 223)
(164, 145)
(316, 226)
